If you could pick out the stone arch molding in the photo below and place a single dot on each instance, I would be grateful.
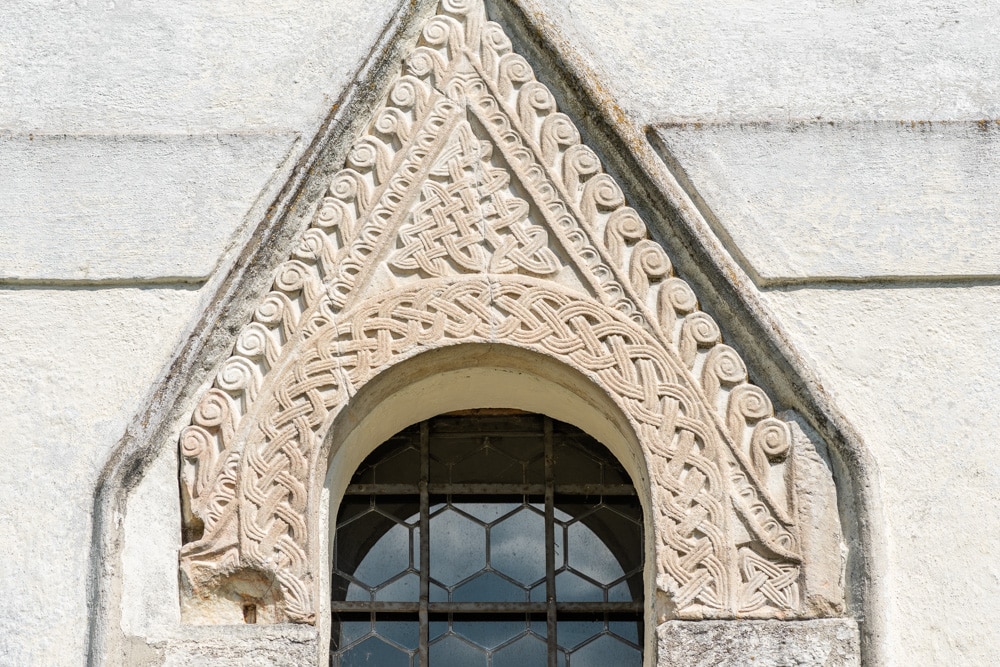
(470, 212)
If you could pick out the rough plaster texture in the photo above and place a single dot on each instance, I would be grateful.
(126, 66)
(151, 526)
(912, 366)
(915, 370)
(853, 200)
(140, 133)
(818, 643)
(114, 208)
(818, 59)
(816, 200)
(76, 364)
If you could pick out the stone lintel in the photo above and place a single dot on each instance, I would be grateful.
(831, 642)
(274, 645)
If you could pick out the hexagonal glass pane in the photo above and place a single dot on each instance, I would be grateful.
(573, 633)
(603, 651)
(376, 542)
(404, 589)
(357, 593)
(365, 473)
(589, 555)
(573, 465)
(437, 593)
(626, 507)
(488, 465)
(438, 626)
(352, 628)
(627, 630)
(488, 511)
(527, 650)
(488, 587)
(514, 546)
(490, 630)
(387, 557)
(374, 652)
(451, 651)
(526, 449)
(572, 587)
(619, 592)
(352, 507)
(403, 467)
(450, 450)
(403, 633)
(627, 590)
(457, 547)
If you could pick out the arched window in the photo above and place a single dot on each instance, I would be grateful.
(490, 537)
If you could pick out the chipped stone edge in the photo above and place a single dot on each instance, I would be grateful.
(221, 645)
(726, 291)
(743, 642)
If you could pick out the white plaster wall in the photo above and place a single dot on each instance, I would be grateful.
(76, 364)
(913, 365)
(732, 60)
(807, 201)
(140, 133)
(769, 100)
(918, 373)
(126, 66)
(138, 141)
(112, 208)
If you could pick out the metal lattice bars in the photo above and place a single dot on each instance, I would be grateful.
(442, 489)
(566, 504)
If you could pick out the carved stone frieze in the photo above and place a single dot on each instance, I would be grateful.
(470, 212)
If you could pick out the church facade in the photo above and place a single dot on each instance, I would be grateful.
(518, 349)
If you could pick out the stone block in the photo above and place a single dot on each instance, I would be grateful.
(831, 642)
(230, 646)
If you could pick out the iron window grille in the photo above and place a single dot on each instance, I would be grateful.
(488, 538)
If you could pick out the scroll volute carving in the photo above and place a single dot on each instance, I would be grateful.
(471, 212)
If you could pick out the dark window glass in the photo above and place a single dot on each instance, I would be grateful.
(488, 538)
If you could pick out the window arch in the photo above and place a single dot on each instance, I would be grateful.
(554, 281)
(488, 537)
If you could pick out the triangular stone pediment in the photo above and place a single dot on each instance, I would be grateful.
(470, 211)
(469, 215)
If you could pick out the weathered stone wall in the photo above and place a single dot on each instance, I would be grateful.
(843, 154)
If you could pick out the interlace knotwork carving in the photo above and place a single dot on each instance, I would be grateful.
(468, 221)
(456, 219)
(689, 488)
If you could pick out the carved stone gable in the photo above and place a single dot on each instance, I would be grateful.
(470, 212)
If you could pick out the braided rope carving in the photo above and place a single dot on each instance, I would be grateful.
(468, 221)
(689, 488)
(465, 200)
